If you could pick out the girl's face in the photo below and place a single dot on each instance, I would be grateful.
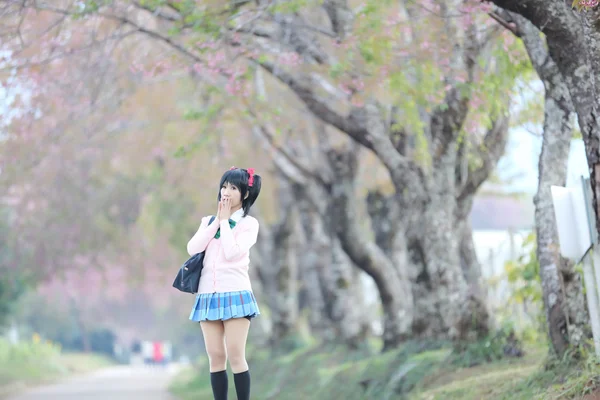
(229, 191)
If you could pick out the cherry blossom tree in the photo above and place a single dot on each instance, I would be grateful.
(430, 105)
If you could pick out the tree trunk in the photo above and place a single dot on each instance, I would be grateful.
(330, 288)
(442, 274)
(553, 171)
(562, 289)
(415, 187)
(379, 128)
(285, 312)
(573, 52)
(471, 268)
(278, 271)
(345, 305)
(261, 333)
(342, 313)
(391, 280)
(447, 302)
(315, 249)
(427, 320)
(447, 291)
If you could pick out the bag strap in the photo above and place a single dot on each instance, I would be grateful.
(212, 219)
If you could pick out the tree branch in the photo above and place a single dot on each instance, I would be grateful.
(364, 125)
(288, 35)
(70, 52)
(394, 288)
(340, 15)
(124, 20)
(448, 118)
(302, 87)
(303, 171)
(489, 153)
(158, 12)
(534, 44)
(568, 46)
(507, 24)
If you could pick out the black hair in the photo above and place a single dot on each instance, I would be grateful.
(238, 177)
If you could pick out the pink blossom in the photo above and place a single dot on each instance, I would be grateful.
(384, 72)
(471, 126)
(476, 101)
(357, 102)
(468, 20)
(290, 59)
(468, 8)
(393, 19)
(158, 152)
(345, 89)
(359, 85)
(486, 7)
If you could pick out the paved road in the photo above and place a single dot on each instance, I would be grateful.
(114, 383)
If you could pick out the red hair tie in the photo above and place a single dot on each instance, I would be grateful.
(251, 178)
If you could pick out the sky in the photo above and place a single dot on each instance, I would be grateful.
(519, 166)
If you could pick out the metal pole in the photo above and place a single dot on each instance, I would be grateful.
(591, 272)
(588, 212)
(592, 298)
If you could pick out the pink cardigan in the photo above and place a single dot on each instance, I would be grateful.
(227, 259)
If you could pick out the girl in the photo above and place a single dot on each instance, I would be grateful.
(225, 303)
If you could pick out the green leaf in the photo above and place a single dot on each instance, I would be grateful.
(336, 70)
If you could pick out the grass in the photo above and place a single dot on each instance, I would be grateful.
(482, 381)
(33, 363)
(188, 384)
(80, 363)
(561, 380)
(412, 372)
(319, 371)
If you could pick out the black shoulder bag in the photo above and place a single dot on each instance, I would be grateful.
(188, 277)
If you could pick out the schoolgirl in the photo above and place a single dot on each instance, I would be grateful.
(225, 304)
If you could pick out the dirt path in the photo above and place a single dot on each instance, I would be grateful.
(114, 383)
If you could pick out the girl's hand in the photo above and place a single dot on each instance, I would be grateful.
(224, 210)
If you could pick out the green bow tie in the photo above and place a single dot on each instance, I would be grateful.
(231, 225)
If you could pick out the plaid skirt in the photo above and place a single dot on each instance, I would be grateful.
(224, 306)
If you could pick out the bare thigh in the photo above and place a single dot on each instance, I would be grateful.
(236, 335)
(214, 341)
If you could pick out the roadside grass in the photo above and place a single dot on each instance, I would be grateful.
(36, 362)
(413, 372)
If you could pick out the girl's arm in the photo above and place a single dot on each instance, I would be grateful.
(236, 246)
(199, 241)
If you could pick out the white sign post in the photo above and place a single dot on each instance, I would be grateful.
(577, 236)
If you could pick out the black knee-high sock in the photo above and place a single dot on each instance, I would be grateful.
(242, 385)
(218, 381)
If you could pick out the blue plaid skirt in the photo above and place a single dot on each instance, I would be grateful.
(224, 306)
